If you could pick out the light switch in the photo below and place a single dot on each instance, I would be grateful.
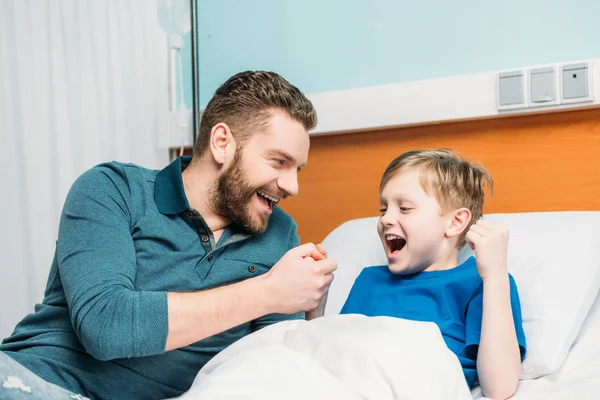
(576, 83)
(511, 90)
(542, 84)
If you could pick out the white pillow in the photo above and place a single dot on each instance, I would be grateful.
(553, 256)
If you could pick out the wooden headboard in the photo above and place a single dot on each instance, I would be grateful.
(547, 162)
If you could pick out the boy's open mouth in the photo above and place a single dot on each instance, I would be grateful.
(395, 243)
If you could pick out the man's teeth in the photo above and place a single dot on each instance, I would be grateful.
(273, 199)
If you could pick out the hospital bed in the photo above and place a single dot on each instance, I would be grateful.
(555, 260)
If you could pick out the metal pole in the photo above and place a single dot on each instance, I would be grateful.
(195, 72)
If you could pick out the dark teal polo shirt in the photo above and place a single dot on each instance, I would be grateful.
(128, 236)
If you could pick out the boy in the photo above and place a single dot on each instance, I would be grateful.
(431, 202)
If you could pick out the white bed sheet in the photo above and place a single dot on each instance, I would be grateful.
(578, 378)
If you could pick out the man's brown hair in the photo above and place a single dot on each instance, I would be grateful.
(245, 103)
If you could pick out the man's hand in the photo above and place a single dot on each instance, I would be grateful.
(320, 310)
(296, 283)
(300, 279)
(490, 242)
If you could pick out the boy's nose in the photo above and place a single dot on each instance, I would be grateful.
(388, 220)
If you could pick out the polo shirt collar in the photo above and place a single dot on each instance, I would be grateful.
(169, 194)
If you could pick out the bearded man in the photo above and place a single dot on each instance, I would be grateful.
(155, 272)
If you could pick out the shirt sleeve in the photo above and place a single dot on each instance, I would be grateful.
(259, 323)
(475, 313)
(97, 266)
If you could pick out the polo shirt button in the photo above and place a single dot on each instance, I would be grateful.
(204, 238)
(210, 258)
(252, 268)
(190, 214)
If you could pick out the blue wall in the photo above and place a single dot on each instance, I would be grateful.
(323, 45)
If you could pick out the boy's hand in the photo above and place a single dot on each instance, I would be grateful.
(320, 254)
(490, 242)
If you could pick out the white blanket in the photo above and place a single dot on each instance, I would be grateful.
(338, 357)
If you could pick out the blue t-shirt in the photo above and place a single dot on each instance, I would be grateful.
(453, 299)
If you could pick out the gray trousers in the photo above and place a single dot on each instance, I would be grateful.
(17, 382)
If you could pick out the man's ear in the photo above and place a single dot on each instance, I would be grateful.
(222, 143)
(459, 221)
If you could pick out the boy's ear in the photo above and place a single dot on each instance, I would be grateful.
(459, 222)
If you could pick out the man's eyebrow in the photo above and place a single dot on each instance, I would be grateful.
(286, 155)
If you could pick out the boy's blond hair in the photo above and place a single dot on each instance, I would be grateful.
(454, 182)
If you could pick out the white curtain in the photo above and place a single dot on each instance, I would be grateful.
(81, 82)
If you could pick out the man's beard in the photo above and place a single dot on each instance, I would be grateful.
(231, 197)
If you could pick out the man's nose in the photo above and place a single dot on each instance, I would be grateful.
(288, 182)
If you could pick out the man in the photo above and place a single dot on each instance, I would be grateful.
(156, 272)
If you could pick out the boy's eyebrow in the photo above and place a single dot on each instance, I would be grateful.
(400, 198)
(287, 156)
